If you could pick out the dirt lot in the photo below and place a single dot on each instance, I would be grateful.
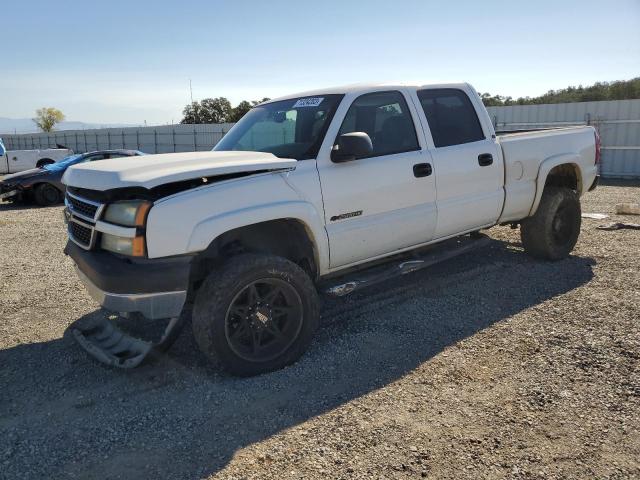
(493, 365)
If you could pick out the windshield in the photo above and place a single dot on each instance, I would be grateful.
(289, 129)
(64, 163)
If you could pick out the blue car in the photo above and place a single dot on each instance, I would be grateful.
(44, 185)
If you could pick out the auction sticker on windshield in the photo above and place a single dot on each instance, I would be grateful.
(308, 102)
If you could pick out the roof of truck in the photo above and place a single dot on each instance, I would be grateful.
(359, 88)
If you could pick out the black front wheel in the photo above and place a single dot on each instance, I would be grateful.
(46, 194)
(256, 314)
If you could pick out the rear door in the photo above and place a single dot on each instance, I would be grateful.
(466, 160)
(377, 204)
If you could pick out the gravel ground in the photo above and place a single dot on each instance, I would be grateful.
(492, 365)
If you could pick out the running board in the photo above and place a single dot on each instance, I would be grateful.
(408, 264)
(105, 342)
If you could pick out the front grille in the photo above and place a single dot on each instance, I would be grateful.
(80, 234)
(83, 214)
(83, 208)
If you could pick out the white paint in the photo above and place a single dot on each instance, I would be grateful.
(149, 171)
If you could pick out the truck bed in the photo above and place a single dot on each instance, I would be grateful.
(525, 151)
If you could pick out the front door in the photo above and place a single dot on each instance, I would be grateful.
(383, 202)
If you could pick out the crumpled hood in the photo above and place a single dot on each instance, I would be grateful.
(24, 174)
(150, 171)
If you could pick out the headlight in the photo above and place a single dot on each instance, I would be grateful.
(133, 247)
(130, 213)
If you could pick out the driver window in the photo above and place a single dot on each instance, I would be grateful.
(385, 117)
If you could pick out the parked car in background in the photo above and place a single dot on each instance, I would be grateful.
(44, 185)
(13, 161)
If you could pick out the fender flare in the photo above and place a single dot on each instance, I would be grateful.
(209, 229)
(549, 164)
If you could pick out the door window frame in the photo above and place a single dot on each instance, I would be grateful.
(408, 112)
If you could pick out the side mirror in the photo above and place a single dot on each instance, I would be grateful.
(351, 146)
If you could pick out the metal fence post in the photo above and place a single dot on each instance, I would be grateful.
(137, 140)
(195, 140)
(123, 139)
(173, 137)
(155, 140)
(108, 139)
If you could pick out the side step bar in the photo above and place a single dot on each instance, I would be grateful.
(371, 276)
(109, 345)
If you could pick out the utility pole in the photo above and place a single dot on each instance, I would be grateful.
(190, 91)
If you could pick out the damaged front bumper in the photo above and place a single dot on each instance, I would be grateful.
(152, 305)
(157, 289)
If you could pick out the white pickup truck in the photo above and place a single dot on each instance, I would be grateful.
(14, 161)
(301, 193)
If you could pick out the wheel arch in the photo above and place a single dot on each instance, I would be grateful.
(560, 171)
(44, 161)
(289, 237)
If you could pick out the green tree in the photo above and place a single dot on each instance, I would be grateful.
(217, 110)
(618, 90)
(47, 117)
(240, 110)
(192, 113)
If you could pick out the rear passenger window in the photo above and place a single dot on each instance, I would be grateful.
(385, 117)
(451, 116)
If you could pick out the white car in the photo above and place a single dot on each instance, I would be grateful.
(302, 192)
(14, 161)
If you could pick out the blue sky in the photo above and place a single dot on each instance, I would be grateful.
(130, 61)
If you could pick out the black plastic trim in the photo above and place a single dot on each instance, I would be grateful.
(115, 274)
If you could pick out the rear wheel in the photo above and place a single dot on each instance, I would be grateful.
(46, 194)
(552, 232)
(256, 314)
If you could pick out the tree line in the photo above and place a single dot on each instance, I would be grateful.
(618, 90)
(217, 110)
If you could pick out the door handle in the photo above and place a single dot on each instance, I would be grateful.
(485, 159)
(422, 170)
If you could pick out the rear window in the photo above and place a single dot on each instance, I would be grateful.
(451, 116)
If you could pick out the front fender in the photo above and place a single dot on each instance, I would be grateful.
(211, 228)
(549, 164)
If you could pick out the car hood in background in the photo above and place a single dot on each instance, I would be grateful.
(150, 171)
(32, 172)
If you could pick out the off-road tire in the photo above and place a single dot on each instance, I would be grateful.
(552, 232)
(222, 286)
(46, 194)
